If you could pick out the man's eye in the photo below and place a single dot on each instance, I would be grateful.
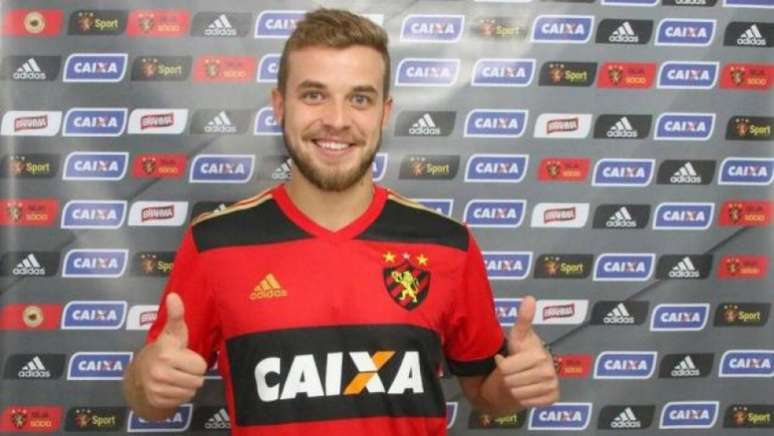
(312, 96)
(361, 100)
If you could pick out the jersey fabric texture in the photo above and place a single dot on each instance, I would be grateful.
(334, 332)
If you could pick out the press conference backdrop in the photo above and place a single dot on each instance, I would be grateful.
(613, 157)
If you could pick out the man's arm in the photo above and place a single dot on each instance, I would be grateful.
(525, 378)
(165, 373)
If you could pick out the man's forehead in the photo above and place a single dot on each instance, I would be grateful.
(362, 63)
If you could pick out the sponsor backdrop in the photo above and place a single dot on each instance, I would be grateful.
(614, 158)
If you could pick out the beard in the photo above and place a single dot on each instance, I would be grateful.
(325, 179)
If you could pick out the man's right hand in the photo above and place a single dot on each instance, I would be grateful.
(170, 373)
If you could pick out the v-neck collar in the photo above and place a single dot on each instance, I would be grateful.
(356, 227)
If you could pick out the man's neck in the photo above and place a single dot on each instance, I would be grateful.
(330, 210)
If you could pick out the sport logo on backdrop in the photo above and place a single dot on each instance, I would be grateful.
(621, 216)
(560, 169)
(425, 123)
(494, 213)
(30, 316)
(683, 216)
(268, 68)
(29, 166)
(623, 172)
(679, 317)
(30, 68)
(745, 213)
(153, 263)
(688, 75)
(97, 22)
(753, 77)
(684, 267)
(681, 32)
(82, 165)
(746, 171)
(686, 365)
(31, 419)
(98, 365)
(749, 34)
(562, 126)
(495, 123)
(686, 172)
(94, 315)
(221, 25)
(276, 24)
(95, 67)
(93, 214)
(559, 73)
(625, 365)
(432, 28)
(614, 31)
(576, 366)
(95, 263)
(501, 27)
(507, 265)
(158, 23)
(32, 212)
(623, 75)
(506, 168)
(747, 363)
(563, 266)
(743, 267)
(156, 165)
(91, 418)
(427, 72)
(430, 167)
(157, 121)
(29, 263)
(749, 128)
(503, 72)
(92, 121)
(32, 22)
(31, 123)
(684, 127)
(222, 168)
(572, 29)
(622, 126)
(161, 68)
(689, 415)
(224, 69)
(560, 416)
(749, 416)
(479, 420)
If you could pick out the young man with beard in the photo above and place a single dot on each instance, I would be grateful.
(330, 302)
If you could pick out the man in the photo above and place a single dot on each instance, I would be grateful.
(331, 301)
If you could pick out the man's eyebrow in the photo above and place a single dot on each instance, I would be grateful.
(311, 84)
(365, 89)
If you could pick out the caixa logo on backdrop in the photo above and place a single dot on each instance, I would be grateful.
(503, 72)
(95, 122)
(688, 75)
(222, 168)
(495, 123)
(266, 124)
(689, 414)
(747, 363)
(95, 67)
(507, 265)
(427, 72)
(679, 317)
(683, 216)
(432, 28)
(268, 68)
(623, 172)
(94, 214)
(632, 267)
(109, 365)
(379, 166)
(746, 171)
(560, 416)
(277, 24)
(507, 310)
(178, 422)
(507, 168)
(625, 365)
(443, 206)
(94, 315)
(684, 127)
(83, 165)
(95, 263)
(685, 32)
(494, 213)
(566, 29)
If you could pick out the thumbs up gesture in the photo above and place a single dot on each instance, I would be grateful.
(170, 373)
(528, 372)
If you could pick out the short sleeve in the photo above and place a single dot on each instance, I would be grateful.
(474, 335)
(188, 279)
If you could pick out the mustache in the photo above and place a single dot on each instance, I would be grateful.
(347, 136)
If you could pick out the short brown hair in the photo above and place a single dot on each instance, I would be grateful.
(335, 28)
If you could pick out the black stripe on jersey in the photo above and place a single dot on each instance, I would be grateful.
(263, 223)
(402, 223)
(335, 372)
(475, 367)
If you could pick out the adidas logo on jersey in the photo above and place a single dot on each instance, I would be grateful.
(425, 126)
(686, 174)
(218, 421)
(752, 36)
(269, 287)
(626, 419)
(619, 315)
(624, 33)
(220, 27)
(34, 369)
(622, 129)
(29, 266)
(29, 70)
(684, 269)
(622, 218)
(283, 171)
(685, 368)
(220, 124)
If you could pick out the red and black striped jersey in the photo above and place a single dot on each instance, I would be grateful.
(335, 332)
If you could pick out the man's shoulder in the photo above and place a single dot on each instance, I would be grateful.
(252, 221)
(406, 220)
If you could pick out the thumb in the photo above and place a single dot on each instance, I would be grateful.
(523, 325)
(175, 326)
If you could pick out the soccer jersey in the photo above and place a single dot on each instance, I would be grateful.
(334, 332)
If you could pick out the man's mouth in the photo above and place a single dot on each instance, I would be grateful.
(331, 145)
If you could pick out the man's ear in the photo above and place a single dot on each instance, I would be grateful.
(278, 104)
(387, 112)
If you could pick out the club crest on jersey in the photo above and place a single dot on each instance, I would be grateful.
(406, 282)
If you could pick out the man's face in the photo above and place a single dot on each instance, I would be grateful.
(332, 113)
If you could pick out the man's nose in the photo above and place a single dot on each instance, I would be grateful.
(336, 115)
